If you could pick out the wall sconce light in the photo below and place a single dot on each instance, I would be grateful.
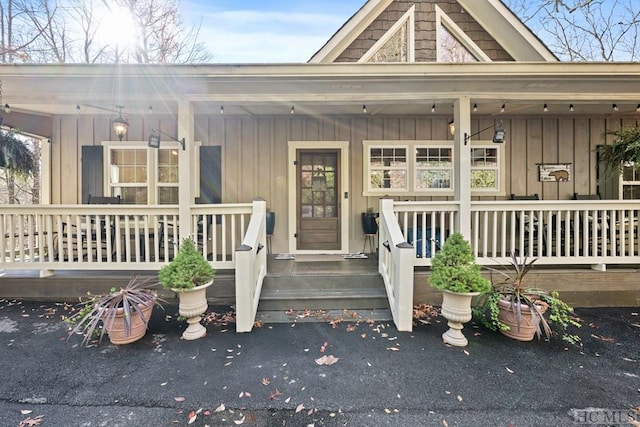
(7, 108)
(452, 128)
(498, 134)
(154, 139)
(120, 125)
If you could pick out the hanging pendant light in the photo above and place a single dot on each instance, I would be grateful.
(120, 125)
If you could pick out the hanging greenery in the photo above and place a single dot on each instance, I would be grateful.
(15, 156)
(624, 149)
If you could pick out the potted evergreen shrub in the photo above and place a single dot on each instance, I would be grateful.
(521, 312)
(189, 274)
(455, 272)
(124, 314)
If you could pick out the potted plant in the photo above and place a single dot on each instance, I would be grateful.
(189, 274)
(123, 314)
(455, 272)
(522, 312)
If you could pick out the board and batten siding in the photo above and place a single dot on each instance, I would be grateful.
(254, 153)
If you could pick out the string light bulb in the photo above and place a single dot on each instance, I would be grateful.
(364, 108)
(293, 110)
(222, 109)
(433, 108)
(572, 108)
(545, 108)
(503, 108)
(615, 107)
(475, 108)
(638, 108)
(7, 108)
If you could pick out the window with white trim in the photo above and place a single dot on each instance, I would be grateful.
(485, 168)
(388, 168)
(140, 175)
(434, 167)
(630, 181)
(453, 44)
(397, 44)
(427, 168)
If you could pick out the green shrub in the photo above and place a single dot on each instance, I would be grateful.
(187, 270)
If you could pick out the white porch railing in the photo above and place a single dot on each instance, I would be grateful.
(395, 264)
(114, 237)
(251, 268)
(556, 232)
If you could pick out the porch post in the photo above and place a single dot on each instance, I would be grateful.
(462, 164)
(185, 194)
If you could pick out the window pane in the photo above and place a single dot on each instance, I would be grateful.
(132, 195)
(450, 49)
(394, 49)
(484, 178)
(433, 178)
(168, 166)
(168, 195)
(129, 165)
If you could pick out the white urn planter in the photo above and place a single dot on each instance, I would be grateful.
(193, 304)
(456, 308)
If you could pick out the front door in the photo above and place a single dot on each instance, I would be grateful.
(318, 203)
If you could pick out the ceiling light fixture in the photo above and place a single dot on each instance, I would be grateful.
(120, 125)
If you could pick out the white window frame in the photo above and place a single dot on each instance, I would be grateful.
(498, 189)
(442, 19)
(152, 183)
(624, 183)
(368, 146)
(411, 146)
(432, 144)
(408, 17)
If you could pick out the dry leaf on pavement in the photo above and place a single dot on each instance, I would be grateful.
(327, 360)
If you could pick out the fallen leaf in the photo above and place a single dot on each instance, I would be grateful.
(603, 338)
(219, 408)
(266, 381)
(327, 360)
(31, 422)
(628, 360)
(240, 421)
(287, 400)
(163, 384)
(25, 411)
(445, 423)
(179, 399)
(466, 352)
(192, 417)
(509, 370)
(459, 398)
(207, 412)
(393, 349)
(299, 408)
(275, 394)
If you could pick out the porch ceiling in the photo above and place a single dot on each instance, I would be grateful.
(324, 89)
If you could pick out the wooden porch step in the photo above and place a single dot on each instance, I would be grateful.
(323, 299)
(377, 315)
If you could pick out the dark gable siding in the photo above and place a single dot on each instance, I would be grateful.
(425, 31)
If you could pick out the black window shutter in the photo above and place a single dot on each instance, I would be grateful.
(92, 176)
(210, 174)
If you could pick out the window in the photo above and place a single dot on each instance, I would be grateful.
(434, 168)
(397, 44)
(388, 168)
(142, 175)
(453, 44)
(485, 171)
(630, 181)
(427, 168)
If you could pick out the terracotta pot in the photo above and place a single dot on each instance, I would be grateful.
(528, 321)
(116, 329)
(456, 308)
(193, 304)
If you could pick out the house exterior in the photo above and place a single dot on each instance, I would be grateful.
(366, 119)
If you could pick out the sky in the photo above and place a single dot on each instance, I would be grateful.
(266, 31)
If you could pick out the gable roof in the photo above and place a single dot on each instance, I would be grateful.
(496, 18)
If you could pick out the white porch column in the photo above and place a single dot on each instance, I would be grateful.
(462, 164)
(186, 193)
